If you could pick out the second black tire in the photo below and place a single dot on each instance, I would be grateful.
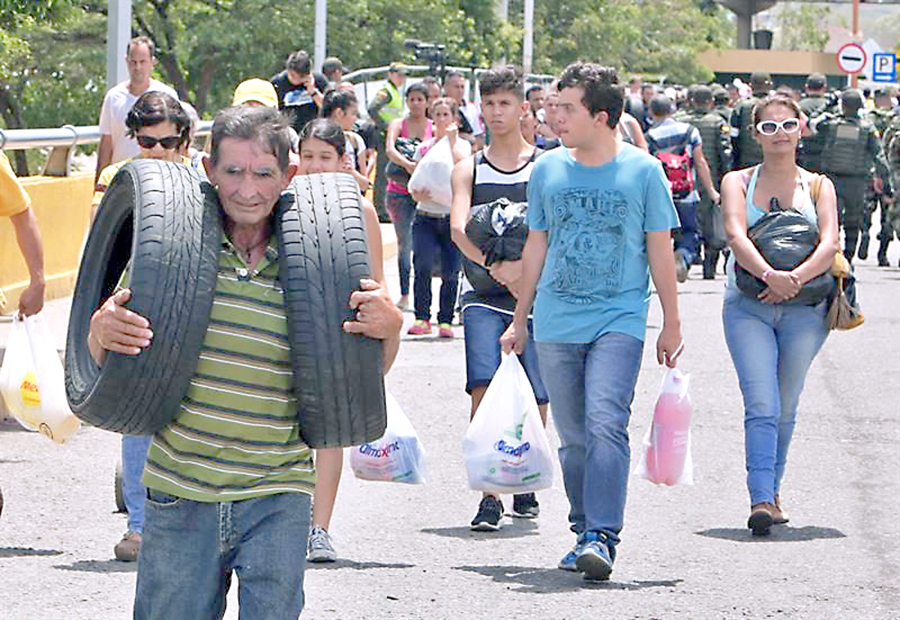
(323, 250)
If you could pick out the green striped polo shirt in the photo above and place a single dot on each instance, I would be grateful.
(236, 434)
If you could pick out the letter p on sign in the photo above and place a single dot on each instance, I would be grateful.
(884, 67)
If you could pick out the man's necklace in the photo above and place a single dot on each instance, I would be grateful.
(243, 273)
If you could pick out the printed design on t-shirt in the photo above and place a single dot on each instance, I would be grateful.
(589, 244)
(297, 98)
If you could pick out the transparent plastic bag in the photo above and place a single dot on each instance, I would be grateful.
(505, 447)
(433, 172)
(666, 457)
(32, 381)
(397, 457)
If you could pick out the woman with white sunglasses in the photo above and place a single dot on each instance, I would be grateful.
(771, 340)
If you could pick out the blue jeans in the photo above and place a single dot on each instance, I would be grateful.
(483, 328)
(402, 209)
(431, 235)
(134, 455)
(687, 238)
(591, 387)
(190, 549)
(772, 347)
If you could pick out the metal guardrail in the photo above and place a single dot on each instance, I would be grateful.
(63, 141)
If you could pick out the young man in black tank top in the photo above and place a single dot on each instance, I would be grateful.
(502, 169)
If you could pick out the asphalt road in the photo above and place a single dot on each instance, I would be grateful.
(406, 551)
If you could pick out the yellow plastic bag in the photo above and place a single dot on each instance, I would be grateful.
(32, 382)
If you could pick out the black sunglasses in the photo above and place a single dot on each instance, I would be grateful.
(168, 143)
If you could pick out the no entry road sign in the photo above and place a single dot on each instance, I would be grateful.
(851, 58)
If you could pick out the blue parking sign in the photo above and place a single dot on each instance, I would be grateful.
(884, 67)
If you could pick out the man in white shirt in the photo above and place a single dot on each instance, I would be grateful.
(471, 127)
(115, 145)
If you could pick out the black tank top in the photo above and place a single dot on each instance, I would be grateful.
(488, 184)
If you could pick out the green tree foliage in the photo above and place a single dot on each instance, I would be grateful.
(53, 52)
(659, 37)
(803, 27)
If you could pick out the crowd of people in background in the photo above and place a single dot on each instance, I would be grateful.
(700, 164)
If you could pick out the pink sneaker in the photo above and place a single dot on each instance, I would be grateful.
(445, 331)
(420, 328)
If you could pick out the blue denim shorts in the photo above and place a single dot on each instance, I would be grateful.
(483, 328)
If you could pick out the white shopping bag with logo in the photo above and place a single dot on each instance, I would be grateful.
(32, 382)
(506, 447)
(397, 457)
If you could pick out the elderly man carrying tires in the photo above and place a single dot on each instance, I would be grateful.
(230, 479)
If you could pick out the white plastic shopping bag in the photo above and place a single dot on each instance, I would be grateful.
(397, 457)
(32, 381)
(666, 458)
(433, 172)
(506, 447)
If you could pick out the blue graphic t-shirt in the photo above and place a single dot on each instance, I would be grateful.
(596, 276)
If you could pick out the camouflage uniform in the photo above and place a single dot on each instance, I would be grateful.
(716, 136)
(882, 120)
(744, 147)
(809, 153)
(720, 97)
(850, 147)
(890, 214)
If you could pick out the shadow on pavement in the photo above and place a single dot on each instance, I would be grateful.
(552, 580)
(518, 529)
(354, 565)
(94, 566)
(20, 552)
(780, 533)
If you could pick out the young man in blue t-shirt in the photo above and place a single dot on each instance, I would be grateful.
(600, 217)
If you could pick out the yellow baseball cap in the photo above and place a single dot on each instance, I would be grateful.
(255, 89)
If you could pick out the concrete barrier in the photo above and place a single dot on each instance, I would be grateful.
(62, 206)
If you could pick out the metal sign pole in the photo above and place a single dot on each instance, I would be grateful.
(118, 33)
(321, 33)
(854, 78)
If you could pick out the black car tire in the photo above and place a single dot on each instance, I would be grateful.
(324, 253)
(162, 217)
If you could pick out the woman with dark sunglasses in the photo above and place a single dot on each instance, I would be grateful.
(771, 340)
(161, 128)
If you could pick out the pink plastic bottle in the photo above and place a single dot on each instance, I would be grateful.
(670, 433)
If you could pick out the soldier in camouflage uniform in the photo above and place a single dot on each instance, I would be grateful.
(716, 136)
(890, 213)
(720, 105)
(745, 150)
(813, 102)
(850, 147)
(880, 116)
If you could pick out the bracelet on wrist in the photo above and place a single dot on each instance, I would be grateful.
(766, 274)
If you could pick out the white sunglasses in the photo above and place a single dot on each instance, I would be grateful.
(770, 128)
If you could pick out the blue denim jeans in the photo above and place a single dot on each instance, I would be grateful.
(483, 328)
(687, 237)
(190, 550)
(431, 237)
(772, 347)
(134, 455)
(591, 387)
(402, 209)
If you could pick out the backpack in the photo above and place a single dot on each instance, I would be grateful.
(679, 171)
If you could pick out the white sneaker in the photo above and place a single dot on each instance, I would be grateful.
(319, 548)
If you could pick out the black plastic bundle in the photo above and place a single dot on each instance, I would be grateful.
(785, 238)
(499, 230)
(407, 148)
